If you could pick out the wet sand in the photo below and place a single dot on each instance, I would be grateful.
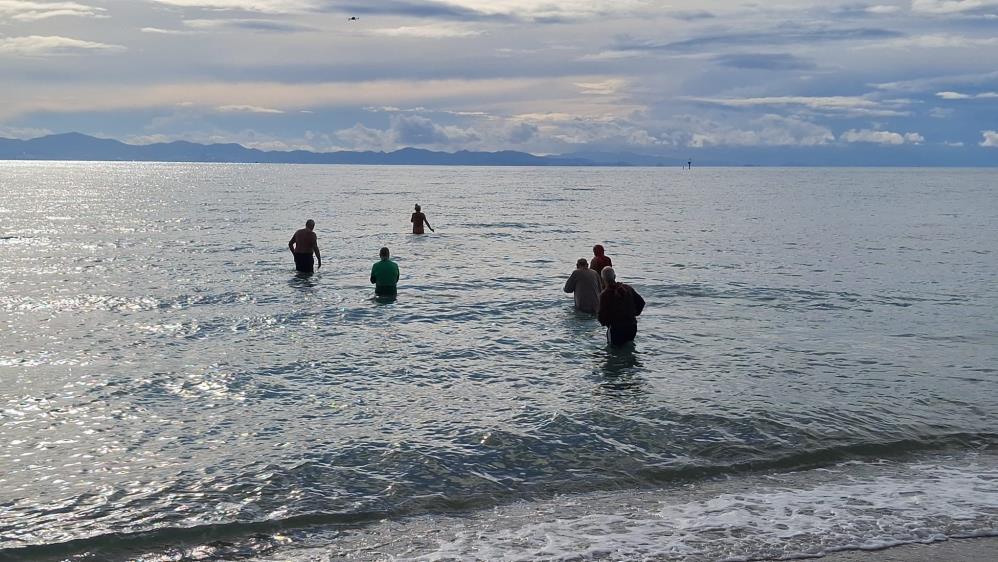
(955, 550)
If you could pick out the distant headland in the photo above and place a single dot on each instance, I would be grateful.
(77, 146)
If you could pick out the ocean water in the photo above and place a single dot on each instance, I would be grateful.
(815, 369)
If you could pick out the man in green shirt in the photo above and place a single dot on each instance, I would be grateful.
(385, 275)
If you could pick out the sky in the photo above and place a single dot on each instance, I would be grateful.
(822, 82)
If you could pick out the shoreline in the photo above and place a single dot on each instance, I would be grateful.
(973, 549)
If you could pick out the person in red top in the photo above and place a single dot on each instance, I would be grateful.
(619, 308)
(417, 220)
(600, 260)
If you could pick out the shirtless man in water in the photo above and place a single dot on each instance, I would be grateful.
(418, 219)
(303, 244)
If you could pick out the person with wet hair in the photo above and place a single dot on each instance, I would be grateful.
(600, 259)
(303, 244)
(418, 219)
(584, 284)
(619, 308)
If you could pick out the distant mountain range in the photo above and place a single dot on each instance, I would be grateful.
(77, 146)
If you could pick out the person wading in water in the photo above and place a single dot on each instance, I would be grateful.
(619, 307)
(303, 244)
(418, 220)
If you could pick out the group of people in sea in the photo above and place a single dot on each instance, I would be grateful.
(596, 291)
(593, 284)
(384, 274)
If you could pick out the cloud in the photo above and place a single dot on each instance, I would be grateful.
(768, 130)
(883, 9)
(246, 109)
(262, 6)
(95, 97)
(959, 96)
(764, 61)
(519, 133)
(846, 105)
(248, 25)
(560, 11)
(432, 31)
(160, 31)
(952, 96)
(610, 55)
(23, 132)
(952, 144)
(990, 139)
(24, 10)
(407, 130)
(420, 9)
(949, 7)
(935, 82)
(52, 45)
(880, 137)
(783, 35)
(694, 15)
(460, 10)
(415, 130)
(819, 102)
(863, 10)
(604, 88)
(937, 41)
(641, 131)
(360, 137)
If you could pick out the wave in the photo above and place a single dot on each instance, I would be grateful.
(243, 538)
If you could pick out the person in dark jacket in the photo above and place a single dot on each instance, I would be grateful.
(619, 308)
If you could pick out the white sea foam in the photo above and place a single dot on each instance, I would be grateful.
(785, 516)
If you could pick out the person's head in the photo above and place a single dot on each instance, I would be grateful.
(310, 224)
(417, 207)
(598, 250)
(582, 263)
(609, 275)
(384, 253)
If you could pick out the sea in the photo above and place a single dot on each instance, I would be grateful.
(816, 369)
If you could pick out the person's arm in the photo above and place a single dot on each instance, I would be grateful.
(639, 303)
(397, 275)
(374, 279)
(428, 224)
(572, 279)
(604, 310)
(318, 257)
(291, 244)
